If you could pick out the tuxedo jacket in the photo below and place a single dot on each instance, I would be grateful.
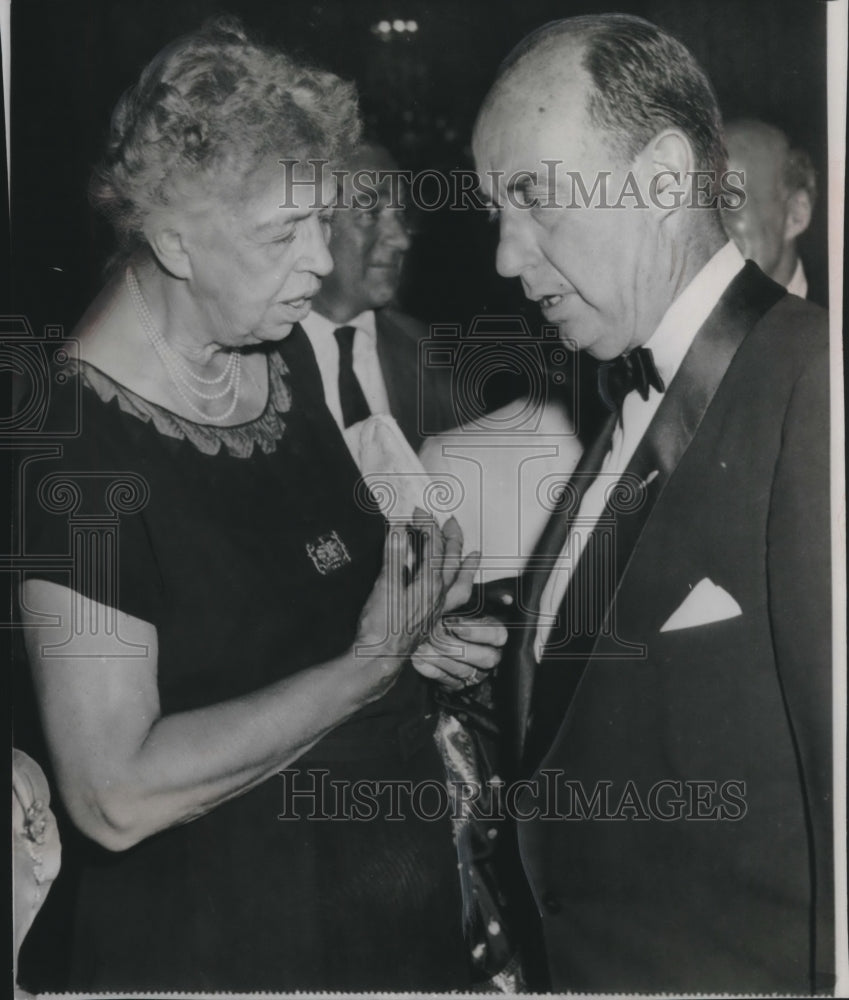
(419, 396)
(682, 839)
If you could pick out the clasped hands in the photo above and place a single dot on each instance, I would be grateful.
(408, 614)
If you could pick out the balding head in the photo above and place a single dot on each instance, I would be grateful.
(544, 65)
(747, 136)
(780, 186)
(752, 140)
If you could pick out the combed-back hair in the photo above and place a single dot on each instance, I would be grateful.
(209, 108)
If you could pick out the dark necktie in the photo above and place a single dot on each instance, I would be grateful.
(351, 396)
(635, 370)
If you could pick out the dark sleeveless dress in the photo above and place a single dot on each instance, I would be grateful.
(253, 558)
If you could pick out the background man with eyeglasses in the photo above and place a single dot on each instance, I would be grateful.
(365, 350)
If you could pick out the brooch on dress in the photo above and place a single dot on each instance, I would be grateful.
(328, 553)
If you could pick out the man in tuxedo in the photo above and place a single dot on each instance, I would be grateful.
(366, 351)
(781, 190)
(671, 683)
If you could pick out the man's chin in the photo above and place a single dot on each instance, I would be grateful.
(597, 345)
(380, 283)
(575, 338)
(382, 296)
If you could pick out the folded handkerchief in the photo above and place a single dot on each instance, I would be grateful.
(705, 603)
(395, 477)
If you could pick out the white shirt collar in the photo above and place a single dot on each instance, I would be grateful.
(316, 325)
(685, 316)
(365, 322)
(798, 284)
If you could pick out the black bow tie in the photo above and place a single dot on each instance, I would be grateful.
(624, 374)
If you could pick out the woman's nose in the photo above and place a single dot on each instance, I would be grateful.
(316, 254)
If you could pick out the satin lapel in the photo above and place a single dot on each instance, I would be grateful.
(685, 403)
(393, 355)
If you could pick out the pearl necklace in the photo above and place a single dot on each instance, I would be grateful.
(177, 368)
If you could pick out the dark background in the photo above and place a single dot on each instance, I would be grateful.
(420, 92)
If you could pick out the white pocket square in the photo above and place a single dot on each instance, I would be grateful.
(705, 603)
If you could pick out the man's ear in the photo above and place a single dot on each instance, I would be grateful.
(798, 218)
(664, 167)
(167, 243)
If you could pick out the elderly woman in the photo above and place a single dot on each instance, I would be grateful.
(249, 628)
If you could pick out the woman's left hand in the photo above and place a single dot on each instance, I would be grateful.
(459, 652)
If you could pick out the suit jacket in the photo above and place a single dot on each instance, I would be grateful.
(690, 844)
(419, 397)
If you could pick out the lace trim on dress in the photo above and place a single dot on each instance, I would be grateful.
(239, 439)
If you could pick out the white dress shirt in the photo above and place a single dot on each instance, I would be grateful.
(366, 364)
(798, 284)
(668, 344)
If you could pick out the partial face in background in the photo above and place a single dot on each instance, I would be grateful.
(766, 226)
(592, 269)
(368, 239)
(758, 227)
